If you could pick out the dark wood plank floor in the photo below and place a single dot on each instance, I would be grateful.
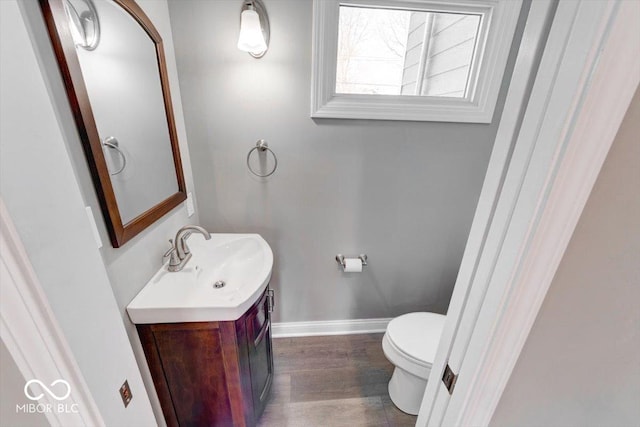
(332, 381)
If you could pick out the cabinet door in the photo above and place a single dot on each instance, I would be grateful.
(258, 325)
(195, 370)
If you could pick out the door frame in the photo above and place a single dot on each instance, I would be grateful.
(532, 201)
(34, 338)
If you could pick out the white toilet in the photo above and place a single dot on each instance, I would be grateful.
(410, 343)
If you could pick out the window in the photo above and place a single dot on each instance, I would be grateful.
(404, 52)
(410, 60)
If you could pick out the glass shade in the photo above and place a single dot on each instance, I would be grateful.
(83, 23)
(251, 38)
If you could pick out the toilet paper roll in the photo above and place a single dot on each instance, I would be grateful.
(352, 265)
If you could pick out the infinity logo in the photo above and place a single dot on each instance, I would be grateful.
(47, 389)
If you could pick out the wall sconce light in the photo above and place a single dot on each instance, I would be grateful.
(83, 23)
(254, 29)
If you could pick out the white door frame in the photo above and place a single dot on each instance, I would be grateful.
(34, 339)
(588, 74)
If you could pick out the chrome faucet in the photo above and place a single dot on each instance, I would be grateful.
(179, 253)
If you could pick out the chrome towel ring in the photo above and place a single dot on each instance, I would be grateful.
(112, 142)
(262, 145)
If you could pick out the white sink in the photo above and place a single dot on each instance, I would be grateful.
(242, 261)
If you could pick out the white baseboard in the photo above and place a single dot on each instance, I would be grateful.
(328, 327)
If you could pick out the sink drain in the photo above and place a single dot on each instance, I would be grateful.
(219, 284)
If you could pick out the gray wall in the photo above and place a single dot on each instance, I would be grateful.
(41, 193)
(402, 192)
(131, 266)
(580, 365)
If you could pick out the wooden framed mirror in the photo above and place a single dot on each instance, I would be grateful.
(113, 64)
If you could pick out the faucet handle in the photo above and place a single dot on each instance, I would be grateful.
(183, 242)
(171, 249)
(172, 254)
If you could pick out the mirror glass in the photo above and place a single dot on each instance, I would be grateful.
(113, 65)
(386, 51)
(123, 84)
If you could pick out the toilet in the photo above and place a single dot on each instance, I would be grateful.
(410, 343)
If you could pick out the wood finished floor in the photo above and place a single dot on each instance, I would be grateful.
(332, 381)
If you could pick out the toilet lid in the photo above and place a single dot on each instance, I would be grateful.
(417, 334)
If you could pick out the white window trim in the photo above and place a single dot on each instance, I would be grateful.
(500, 17)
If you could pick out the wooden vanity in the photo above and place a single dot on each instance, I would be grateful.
(212, 373)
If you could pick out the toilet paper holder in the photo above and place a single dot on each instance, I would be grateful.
(340, 259)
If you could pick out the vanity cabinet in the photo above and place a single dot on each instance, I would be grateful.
(212, 373)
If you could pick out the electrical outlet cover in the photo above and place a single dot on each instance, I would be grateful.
(125, 393)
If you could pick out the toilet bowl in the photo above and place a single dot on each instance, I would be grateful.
(410, 343)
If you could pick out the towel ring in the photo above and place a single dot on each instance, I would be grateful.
(262, 145)
(113, 143)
